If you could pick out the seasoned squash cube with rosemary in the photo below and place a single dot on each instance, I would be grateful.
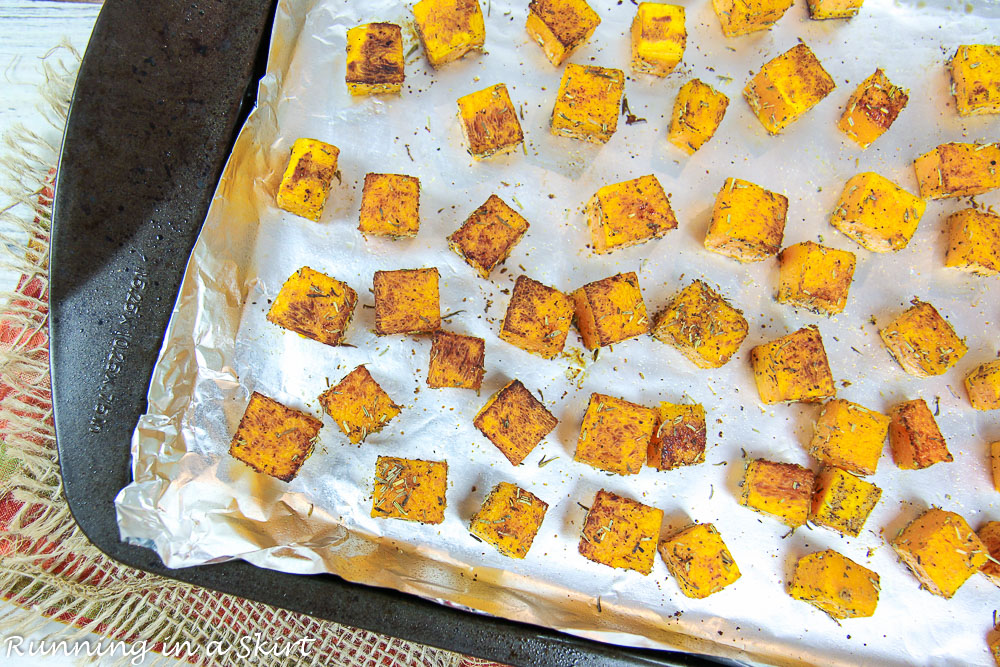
(974, 242)
(983, 385)
(841, 501)
(314, 305)
(834, 9)
(358, 405)
(588, 103)
(515, 421)
(698, 112)
(489, 122)
(537, 319)
(699, 560)
(628, 213)
(679, 437)
(610, 310)
(975, 76)
(922, 341)
(872, 109)
(448, 29)
(787, 87)
(958, 170)
(741, 17)
(658, 38)
(835, 584)
(410, 489)
(390, 205)
(989, 535)
(783, 490)
(850, 436)
(456, 361)
(560, 26)
(815, 277)
(941, 550)
(375, 59)
(620, 532)
(488, 235)
(702, 325)
(509, 519)
(748, 222)
(274, 439)
(305, 184)
(615, 434)
(877, 213)
(407, 301)
(914, 436)
(793, 368)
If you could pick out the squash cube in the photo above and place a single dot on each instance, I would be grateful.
(741, 17)
(878, 214)
(407, 301)
(989, 535)
(456, 361)
(983, 385)
(974, 242)
(702, 325)
(448, 29)
(489, 122)
(995, 463)
(537, 319)
(305, 184)
(358, 405)
(679, 437)
(610, 310)
(787, 87)
(628, 213)
(914, 436)
(560, 26)
(515, 421)
(783, 490)
(842, 501)
(975, 76)
(621, 532)
(615, 434)
(815, 277)
(922, 341)
(658, 38)
(698, 112)
(410, 489)
(488, 235)
(835, 584)
(509, 519)
(588, 102)
(941, 550)
(834, 9)
(748, 222)
(375, 59)
(699, 560)
(273, 438)
(793, 368)
(390, 205)
(872, 109)
(314, 305)
(958, 170)
(850, 436)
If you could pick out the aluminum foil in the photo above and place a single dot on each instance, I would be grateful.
(194, 504)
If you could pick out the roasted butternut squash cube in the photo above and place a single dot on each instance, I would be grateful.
(314, 305)
(515, 421)
(741, 17)
(748, 222)
(995, 463)
(872, 109)
(787, 87)
(407, 301)
(989, 535)
(615, 434)
(359, 405)
(448, 29)
(698, 112)
(628, 213)
(835, 584)
(621, 532)
(914, 436)
(793, 368)
(488, 235)
(390, 205)
(679, 437)
(658, 38)
(941, 550)
(537, 319)
(922, 341)
(958, 170)
(456, 361)
(878, 214)
(850, 436)
(509, 519)
(560, 26)
(834, 9)
(273, 438)
(489, 122)
(975, 77)
(699, 560)
(983, 385)
(410, 489)
(305, 184)
(610, 310)
(702, 325)
(783, 490)
(375, 59)
(974, 242)
(842, 501)
(815, 277)
(588, 103)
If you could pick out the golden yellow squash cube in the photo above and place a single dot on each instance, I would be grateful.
(449, 29)
(983, 385)
(489, 122)
(488, 235)
(509, 519)
(588, 103)
(842, 501)
(815, 277)
(679, 437)
(515, 421)
(390, 206)
(989, 535)
(741, 17)
(872, 109)
(314, 305)
(974, 242)
(615, 434)
(702, 325)
(697, 114)
(610, 310)
(274, 439)
(958, 170)
(621, 532)
(699, 560)
(410, 489)
(456, 361)
(407, 301)
(835, 584)
(783, 490)
(941, 550)
(748, 222)
(787, 87)
(305, 184)
(359, 405)
(922, 341)
(914, 436)
(560, 26)
(850, 436)
(975, 77)
(628, 213)
(834, 9)
(793, 368)
(877, 213)
(658, 38)
(537, 319)
(375, 59)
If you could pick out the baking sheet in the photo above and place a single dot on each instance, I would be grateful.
(193, 504)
